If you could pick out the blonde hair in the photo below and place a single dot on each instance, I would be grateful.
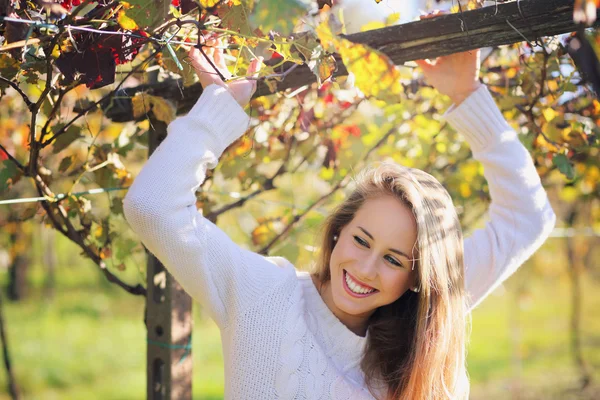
(416, 346)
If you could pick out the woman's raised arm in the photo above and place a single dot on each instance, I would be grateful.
(521, 217)
(161, 208)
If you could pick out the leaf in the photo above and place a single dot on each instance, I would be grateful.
(306, 43)
(124, 248)
(564, 165)
(163, 110)
(140, 105)
(8, 171)
(278, 15)
(236, 18)
(125, 22)
(208, 3)
(148, 14)
(65, 139)
(65, 163)
(549, 114)
(323, 67)
(188, 74)
(375, 74)
(9, 67)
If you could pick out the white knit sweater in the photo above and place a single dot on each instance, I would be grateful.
(280, 340)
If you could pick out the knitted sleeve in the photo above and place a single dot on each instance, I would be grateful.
(520, 215)
(160, 207)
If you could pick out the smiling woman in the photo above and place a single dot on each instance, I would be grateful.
(398, 233)
(384, 314)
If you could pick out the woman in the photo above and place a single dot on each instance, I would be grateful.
(384, 314)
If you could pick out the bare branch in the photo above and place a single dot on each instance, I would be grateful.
(14, 160)
(28, 102)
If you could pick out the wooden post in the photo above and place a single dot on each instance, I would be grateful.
(168, 321)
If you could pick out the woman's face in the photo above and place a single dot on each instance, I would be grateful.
(373, 255)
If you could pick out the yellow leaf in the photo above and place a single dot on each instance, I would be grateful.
(549, 114)
(140, 105)
(126, 22)
(392, 18)
(163, 109)
(325, 69)
(372, 25)
(374, 73)
(465, 190)
(511, 73)
(260, 234)
(209, 3)
(552, 85)
(326, 37)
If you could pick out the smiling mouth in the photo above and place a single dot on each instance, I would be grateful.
(355, 290)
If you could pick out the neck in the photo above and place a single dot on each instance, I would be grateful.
(356, 323)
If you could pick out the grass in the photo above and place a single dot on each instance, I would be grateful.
(89, 341)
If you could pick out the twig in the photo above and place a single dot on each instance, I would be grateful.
(14, 160)
(72, 234)
(28, 102)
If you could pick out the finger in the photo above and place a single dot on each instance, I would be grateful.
(254, 67)
(218, 52)
(432, 14)
(425, 65)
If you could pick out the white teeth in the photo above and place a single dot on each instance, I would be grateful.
(356, 288)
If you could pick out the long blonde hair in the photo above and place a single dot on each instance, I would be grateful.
(416, 347)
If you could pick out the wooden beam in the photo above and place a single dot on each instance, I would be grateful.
(489, 26)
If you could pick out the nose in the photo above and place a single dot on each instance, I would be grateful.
(367, 269)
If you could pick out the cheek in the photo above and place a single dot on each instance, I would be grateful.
(396, 282)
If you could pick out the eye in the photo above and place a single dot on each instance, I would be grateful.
(395, 262)
(360, 241)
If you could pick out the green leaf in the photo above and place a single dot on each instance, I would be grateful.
(8, 171)
(564, 165)
(279, 15)
(65, 163)
(306, 44)
(148, 14)
(236, 18)
(65, 139)
(124, 248)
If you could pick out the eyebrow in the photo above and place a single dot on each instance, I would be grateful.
(372, 238)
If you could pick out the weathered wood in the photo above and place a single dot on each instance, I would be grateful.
(429, 38)
(168, 321)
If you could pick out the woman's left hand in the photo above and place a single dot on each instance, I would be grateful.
(455, 75)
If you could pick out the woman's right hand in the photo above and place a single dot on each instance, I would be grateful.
(241, 89)
(455, 75)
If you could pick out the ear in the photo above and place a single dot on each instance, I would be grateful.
(414, 278)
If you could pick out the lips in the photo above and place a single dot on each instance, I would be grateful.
(352, 293)
(358, 281)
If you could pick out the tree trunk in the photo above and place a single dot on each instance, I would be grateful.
(17, 282)
(576, 253)
(49, 259)
(169, 322)
(13, 388)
